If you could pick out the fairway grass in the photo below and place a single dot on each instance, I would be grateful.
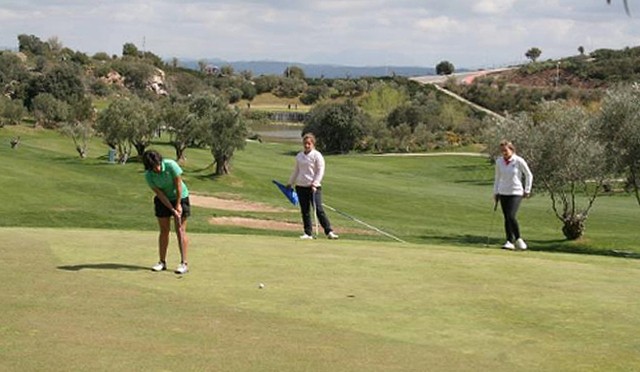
(432, 200)
(85, 300)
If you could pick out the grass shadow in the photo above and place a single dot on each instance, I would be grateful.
(467, 168)
(290, 153)
(208, 177)
(476, 182)
(210, 166)
(552, 246)
(565, 246)
(98, 161)
(104, 266)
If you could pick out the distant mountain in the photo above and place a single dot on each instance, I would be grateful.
(314, 70)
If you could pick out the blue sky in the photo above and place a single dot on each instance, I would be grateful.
(469, 33)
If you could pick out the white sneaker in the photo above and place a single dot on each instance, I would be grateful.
(521, 244)
(331, 235)
(305, 236)
(182, 269)
(160, 266)
(508, 245)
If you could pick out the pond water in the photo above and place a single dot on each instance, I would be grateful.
(278, 132)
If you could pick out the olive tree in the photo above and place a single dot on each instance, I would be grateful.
(223, 129)
(128, 123)
(445, 68)
(183, 127)
(294, 72)
(619, 129)
(49, 111)
(79, 125)
(11, 111)
(533, 54)
(566, 158)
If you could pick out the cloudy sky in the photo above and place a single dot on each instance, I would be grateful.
(469, 33)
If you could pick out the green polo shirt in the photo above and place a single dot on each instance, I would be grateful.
(164, 179)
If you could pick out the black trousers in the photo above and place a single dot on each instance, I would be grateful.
(306, 198)
(510, 205)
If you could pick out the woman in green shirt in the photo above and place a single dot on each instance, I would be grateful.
(164, 176)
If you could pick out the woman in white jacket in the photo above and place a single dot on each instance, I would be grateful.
(509, 190)
(307, 176)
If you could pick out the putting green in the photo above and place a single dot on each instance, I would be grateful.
(85, 300)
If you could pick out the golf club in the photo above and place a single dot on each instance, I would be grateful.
(315, 212)
(180, 232)
(493, 220)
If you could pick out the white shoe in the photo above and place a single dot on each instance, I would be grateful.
(160, 266)
(331, 235)
(508, 245)
(305, 236)
(521, 244)
(182, 269)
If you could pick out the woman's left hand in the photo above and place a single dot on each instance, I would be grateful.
(178, 210)
(314, 189)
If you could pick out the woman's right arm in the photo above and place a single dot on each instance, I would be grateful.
(163, 198)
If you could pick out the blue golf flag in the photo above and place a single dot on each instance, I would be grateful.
(288, 192)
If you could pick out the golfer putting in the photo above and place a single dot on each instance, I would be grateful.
(307, 177)
(164, 176)
(509, 191)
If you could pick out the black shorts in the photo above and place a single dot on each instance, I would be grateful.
(162, 211)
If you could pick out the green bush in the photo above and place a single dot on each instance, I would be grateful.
(338, 127)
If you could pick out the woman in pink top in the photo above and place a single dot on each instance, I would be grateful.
(509, 190)
(307, 176)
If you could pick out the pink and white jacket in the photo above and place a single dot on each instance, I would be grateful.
(509, 174)
(309, 169)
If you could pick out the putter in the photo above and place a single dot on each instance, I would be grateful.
(180, 232)
(493, 220)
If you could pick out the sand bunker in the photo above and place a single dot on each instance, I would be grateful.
(255, 223)
(234, 204)
(271, 225)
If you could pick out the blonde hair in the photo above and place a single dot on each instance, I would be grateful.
(309, 136)
(508, 144)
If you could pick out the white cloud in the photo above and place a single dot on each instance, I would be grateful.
(6, 15)
(441, 25)
(493, 6)
(341, 5)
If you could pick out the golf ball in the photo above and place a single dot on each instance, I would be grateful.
(261, 285)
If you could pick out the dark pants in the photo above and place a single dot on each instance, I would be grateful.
(306, 197)
(510, 204)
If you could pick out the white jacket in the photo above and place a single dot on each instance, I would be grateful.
(509, 176)
(309, 169)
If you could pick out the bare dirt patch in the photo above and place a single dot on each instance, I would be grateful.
(271, 225)
(234, 204)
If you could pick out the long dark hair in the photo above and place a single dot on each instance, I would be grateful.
(151, 159)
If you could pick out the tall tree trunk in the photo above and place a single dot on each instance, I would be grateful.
(180, 149)
(635, 183)
(573, 227)
(140, 147)
(82, 151)
(222, 164)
